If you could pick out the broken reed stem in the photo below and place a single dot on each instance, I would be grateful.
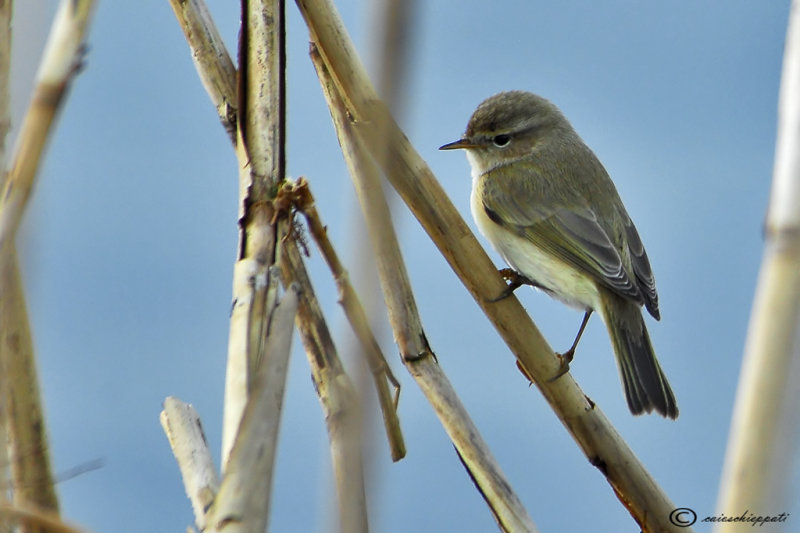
(243, 501)
(183, 428)
(256, 213)
(354, 311)
(420, 190)
(211, 59)
(245, 272)
(405, 321)
(338, 396)
(249, 440)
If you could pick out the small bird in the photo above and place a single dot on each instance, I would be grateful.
(547, 205)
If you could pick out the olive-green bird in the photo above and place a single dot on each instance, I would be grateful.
(548, 206)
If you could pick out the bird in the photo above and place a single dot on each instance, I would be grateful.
(546, 204)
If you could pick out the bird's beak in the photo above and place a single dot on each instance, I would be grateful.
(458, 145)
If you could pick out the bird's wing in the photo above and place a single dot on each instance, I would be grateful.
(572, 235)
(642, 270)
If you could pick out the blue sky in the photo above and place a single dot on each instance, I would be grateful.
(128, 244)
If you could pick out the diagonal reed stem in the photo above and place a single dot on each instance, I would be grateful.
(420, 190)
(406, 324)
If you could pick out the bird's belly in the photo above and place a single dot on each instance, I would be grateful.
(560, 280)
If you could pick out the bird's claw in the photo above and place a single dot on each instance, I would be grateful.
(564, 360)
(515, 280)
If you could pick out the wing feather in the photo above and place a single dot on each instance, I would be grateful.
(573, 235)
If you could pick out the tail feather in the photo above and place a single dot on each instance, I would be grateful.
(646, 386)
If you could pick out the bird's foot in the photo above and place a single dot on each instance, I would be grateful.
(563, 368)
(564, 360)
(515, 280)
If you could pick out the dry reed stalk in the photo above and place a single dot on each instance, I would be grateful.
(183, 428)
(259, 246)
(260, 151)
(243, 501)
(350, 302)
(195, 38)
(61, 61)
(389, 26)
(337, 395)
(27, 519)
(407, 325)
(762, 440)
(5, 280)
(418, 187)
(211, 59)
(28, 453)
(259, 338)
(24, 423)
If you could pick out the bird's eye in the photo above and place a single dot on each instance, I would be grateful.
(501, 140)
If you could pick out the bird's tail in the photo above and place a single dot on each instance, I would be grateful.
(646, 386)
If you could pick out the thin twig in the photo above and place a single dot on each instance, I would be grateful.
(380, 369)
(418, 187)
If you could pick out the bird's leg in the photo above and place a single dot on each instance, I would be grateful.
(566, 357)
(515, 280)
(569, 354)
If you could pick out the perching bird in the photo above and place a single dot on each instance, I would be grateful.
(548, 206)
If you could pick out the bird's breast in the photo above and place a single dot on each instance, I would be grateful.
(557, 278)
